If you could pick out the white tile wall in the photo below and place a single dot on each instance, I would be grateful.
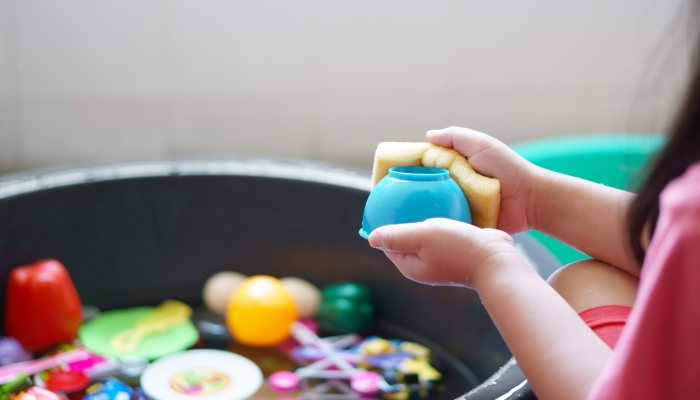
(83, 48)
(4, 51)
(81, 132)
(10, 133)
(323, 79)
(238, 47)
(369, 45)
(238, 125)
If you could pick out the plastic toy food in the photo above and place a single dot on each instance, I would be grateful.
(345, 307)
(151, 332)
(306, 296)
(43, 307)
(483, 193)
(169, 314)
(70, 382)
(219, 288)
(261, 312)
(414, 194)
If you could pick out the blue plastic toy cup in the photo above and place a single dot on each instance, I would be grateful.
(414, 194)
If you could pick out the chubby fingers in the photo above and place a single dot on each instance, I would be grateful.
(466, 141)
(429, 252)
(403, 238)
(403, 245)
(413, 237)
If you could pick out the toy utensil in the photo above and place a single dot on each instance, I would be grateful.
(8, 372)
(307, 337)
(168, 314)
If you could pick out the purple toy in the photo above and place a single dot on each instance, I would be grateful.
(12, 352)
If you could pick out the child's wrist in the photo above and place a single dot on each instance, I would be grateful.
(541, 186)
(505, 268)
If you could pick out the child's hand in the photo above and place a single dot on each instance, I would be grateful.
(446, 252)
(492, 158)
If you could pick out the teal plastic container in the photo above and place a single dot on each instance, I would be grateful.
(414, 194)
(615, 160)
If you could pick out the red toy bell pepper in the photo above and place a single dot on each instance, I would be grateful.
(43, 307)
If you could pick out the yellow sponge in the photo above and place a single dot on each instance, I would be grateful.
(396, 154)
(483, 193)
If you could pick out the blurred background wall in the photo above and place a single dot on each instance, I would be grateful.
(325, 80)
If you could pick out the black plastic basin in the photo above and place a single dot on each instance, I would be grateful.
(137, 233)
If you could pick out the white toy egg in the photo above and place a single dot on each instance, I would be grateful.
(219, 288)
(306, 296)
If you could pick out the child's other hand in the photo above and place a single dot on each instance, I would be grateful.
(446, 252)
(491, 157)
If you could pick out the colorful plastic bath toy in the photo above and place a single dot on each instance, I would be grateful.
(345, 307)
(43, 308)
(152, 340)
(414, 194)
(261, 312)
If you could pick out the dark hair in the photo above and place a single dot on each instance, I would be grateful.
(682, 150)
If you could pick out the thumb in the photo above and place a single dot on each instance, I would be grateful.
(403, 238)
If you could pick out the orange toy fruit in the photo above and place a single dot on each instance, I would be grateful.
(260, 312)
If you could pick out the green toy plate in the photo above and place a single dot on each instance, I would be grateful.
(97, 333)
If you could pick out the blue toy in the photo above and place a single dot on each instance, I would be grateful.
(414, 194)
(109, 389)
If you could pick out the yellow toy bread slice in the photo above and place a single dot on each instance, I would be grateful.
(483, 193)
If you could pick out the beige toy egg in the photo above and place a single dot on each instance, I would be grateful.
(219, 288)
(306, 296)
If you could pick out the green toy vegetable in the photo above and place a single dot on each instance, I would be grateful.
(346, 307)
(16, 385)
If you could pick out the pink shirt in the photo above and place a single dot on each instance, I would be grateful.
(658, 354)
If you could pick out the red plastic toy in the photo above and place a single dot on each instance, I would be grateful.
(72, 383)
(43, 307)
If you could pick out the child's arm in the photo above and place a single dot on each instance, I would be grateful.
(585, 215)
(559, 354)
(588, 216)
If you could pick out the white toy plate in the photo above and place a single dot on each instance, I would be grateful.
(202, 375)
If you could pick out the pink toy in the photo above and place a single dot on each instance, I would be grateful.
(366, 383)
(32, 367)
(95, 366)
(284, 381)
(331, 366)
